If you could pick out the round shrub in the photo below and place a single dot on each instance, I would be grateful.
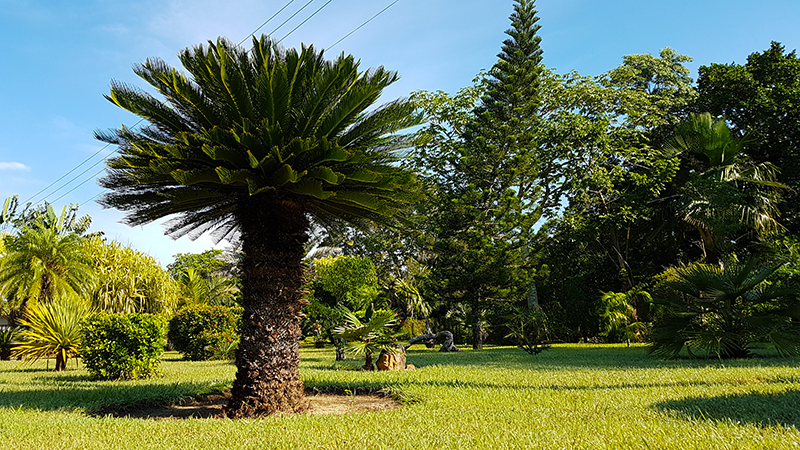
(123, 346)
(205, 332)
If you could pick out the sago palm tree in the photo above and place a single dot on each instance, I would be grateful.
(41, 265)
(719, 192)
(255, 144)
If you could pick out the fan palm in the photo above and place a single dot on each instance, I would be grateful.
(715, 311)
(372, 335)
(719, 190)
(254, 144)
(41, 265)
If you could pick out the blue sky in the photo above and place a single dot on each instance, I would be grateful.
(59, 56)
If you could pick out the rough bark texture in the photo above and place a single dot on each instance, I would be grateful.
(268, 358)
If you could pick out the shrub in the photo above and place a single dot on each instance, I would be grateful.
(7, 342)
(528, 327)
(720, 312)
(412, 327)
(205, 332)
(123, 346)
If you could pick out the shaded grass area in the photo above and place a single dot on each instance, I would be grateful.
(572, 396)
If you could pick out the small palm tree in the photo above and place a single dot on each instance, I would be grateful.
(41, 265)
(214, 290)
(618, 316)
(52, 328)
(371, 335)
(720, 312)
(253, 145)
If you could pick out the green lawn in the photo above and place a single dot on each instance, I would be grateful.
(572, 396)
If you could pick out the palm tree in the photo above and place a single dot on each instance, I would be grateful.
(213, 290)
(252, 145)
(41, 265)
(719, 192)
(714, 311)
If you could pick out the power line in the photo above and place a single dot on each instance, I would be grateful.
(84, 182)
(362, 25)
(291, 17)
(267, 21)
(243, 40)
(307, 19)
(65, 175)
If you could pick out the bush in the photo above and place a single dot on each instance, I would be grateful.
(205, 332)
(721, 312)
(122, 346)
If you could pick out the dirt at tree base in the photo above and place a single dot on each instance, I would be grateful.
(210, 406)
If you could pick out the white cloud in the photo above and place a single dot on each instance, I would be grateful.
(13, 166)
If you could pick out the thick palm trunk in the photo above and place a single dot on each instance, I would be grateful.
(267, 377)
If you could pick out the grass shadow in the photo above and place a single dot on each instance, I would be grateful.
(94, 396)
(764, 410)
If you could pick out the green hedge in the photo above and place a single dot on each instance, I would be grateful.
(123, 346)
(206, 332)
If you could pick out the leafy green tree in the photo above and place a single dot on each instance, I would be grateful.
(251, 145)
(761, 99)
(720, 312)
(206, 264)
(619, 315)
(41, 265)
(52, 328)
(352, 280)
(129, 281)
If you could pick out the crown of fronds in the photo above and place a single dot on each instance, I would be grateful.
(268, 122)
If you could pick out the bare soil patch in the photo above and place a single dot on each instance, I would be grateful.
(210, 406)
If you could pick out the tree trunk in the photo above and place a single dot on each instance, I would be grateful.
(273, 232)
(61, 362)
(477, 330)
(368, 361)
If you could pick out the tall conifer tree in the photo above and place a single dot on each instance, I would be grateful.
(491, 191)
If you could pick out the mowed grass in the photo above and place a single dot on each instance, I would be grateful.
(572, 396)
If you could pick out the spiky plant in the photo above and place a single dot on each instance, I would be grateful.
(254, 144)
(720, 312)
(371, 335)
(52, 328)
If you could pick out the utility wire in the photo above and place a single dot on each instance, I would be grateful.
(84, 182)
(240, 43)
(291, 17)
(363, 24)
(307, 19)
(65, 175)
(267, 21)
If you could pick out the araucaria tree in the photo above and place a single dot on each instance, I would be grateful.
(256, 144)
(489, 191)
